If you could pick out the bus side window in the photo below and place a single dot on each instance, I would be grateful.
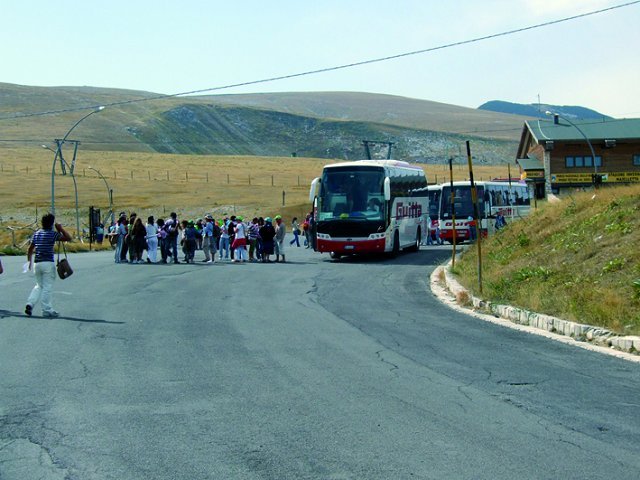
(518, 199)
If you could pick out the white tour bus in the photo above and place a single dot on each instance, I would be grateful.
(368, 206)
(512, 201)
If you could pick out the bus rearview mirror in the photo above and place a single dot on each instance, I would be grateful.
(314, 187)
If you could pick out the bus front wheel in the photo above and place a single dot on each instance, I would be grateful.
(395, 250)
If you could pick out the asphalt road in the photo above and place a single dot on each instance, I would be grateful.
(308, 370)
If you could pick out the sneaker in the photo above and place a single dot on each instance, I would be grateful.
(50, 314)
(28, 310)
(208, 261)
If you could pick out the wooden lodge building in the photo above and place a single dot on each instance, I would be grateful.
(558, 153)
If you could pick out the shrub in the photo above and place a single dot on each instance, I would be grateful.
(614, 265)
(527, 273)
(523, 239)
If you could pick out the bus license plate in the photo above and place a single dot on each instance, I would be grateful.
(349, 247)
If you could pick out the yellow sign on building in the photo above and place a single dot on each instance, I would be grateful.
(614, 177)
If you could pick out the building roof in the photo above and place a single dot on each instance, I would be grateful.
(622, 129)
(530, 163)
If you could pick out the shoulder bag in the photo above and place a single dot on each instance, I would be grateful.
(63, 267)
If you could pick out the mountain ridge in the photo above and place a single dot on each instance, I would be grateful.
(324, 124)
(539, 110)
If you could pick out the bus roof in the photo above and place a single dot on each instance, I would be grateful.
(467, 183)
(375, 163)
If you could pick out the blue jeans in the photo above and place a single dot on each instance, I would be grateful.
(296, 239)
(224, 247)
(173, 247)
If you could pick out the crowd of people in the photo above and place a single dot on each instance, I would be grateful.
(232, 239)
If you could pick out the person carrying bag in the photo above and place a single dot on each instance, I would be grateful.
(43, 244)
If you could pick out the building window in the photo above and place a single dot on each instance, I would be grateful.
(578, 162)
(636, 160)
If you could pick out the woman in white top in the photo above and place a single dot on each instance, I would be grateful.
(240, 242)
(152, 241)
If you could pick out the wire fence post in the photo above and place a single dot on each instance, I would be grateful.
(453, 216)
(477, 219)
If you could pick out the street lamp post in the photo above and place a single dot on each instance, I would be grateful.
(58, 152)
(593, 153)
(66, 166)
(109, 192)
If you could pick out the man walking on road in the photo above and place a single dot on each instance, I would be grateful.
(43, 243)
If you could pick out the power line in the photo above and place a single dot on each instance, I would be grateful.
(334, 68)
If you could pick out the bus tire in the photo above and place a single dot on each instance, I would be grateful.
(395, 249)
(416, 245)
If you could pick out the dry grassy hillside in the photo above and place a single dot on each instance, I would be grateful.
(264, 119)
(389, 109)
(157, 184)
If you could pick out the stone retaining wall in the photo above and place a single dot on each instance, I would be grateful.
(577, 331)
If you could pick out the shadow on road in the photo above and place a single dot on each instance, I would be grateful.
(8, 313)
(422, 257)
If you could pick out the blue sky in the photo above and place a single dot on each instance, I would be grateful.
(170, 47)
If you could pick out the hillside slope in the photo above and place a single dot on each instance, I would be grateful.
(224, 130)
(386, 109)
(323, 124)
(576, 259)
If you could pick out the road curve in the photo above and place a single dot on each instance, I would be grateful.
(310, 369)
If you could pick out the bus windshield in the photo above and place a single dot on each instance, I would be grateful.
(462, 201)
(353, 193)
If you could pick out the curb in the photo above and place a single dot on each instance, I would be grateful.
(578, 332)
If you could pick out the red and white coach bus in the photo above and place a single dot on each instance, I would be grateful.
(511, 201)
(369, 206)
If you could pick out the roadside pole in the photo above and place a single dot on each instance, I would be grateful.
(453, 214)
(476, 216)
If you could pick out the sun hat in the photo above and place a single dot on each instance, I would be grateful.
(278, 217)
(268, 219)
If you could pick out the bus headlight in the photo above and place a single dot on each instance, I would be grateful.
(377, 236)
(323, 236)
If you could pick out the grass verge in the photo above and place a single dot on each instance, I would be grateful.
(577, 259)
